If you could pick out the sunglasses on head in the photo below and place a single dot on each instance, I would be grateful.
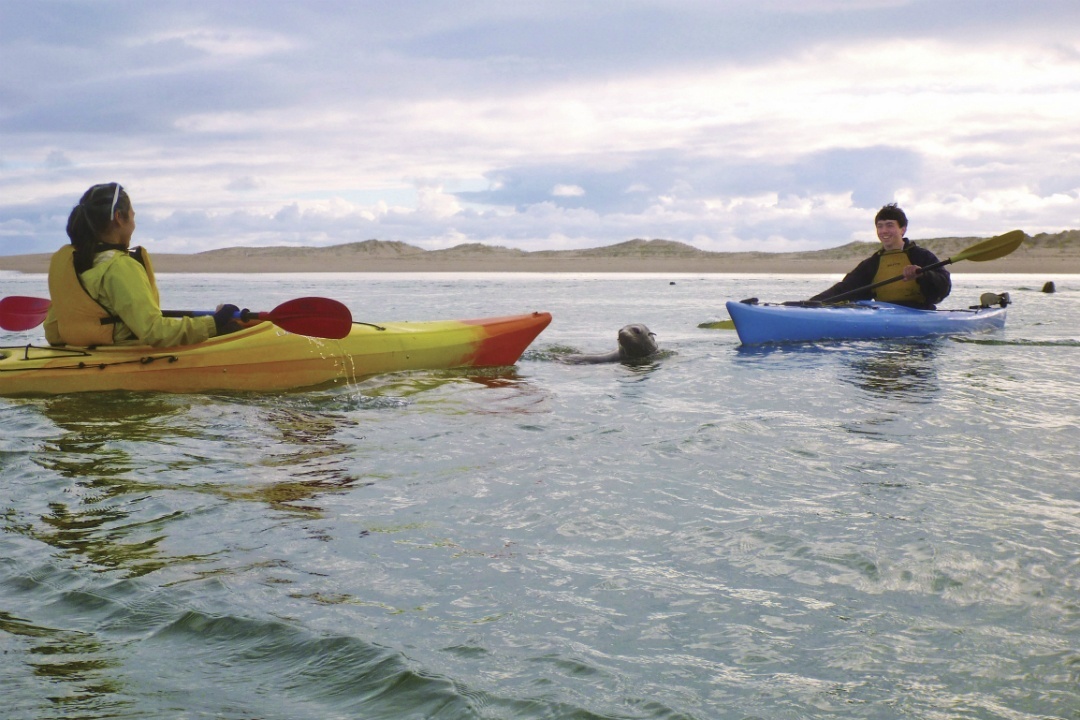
(115, 198)
(117, 188)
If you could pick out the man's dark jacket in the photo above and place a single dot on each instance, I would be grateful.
(935, 284)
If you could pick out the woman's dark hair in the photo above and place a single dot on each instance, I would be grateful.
(90, 219)
(891, 212)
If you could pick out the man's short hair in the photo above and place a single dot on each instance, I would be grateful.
(891, 212)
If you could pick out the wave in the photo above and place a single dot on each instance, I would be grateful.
(1017, 342)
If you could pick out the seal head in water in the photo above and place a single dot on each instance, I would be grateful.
(636, 342)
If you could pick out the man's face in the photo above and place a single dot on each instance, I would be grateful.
(891, 234)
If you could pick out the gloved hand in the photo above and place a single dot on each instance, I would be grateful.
(225, 319)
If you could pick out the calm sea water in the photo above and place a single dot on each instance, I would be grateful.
(861, 530)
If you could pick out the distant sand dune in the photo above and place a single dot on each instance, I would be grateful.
(1049, 254)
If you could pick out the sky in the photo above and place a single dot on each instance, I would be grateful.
(730, 125)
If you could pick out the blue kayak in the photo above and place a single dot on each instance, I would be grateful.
(862, 320)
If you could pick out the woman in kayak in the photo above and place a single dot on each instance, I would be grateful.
(920, 288)
(104, 293)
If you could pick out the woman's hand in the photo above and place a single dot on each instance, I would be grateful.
(225, 319)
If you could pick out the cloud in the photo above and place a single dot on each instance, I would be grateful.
(866, 174)
(57, 159)
(243, 184)
(774, 124)
(561, 190)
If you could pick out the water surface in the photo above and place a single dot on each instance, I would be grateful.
(855, 530)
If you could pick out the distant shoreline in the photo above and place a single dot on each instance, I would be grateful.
(1049, 265)
(637, 256)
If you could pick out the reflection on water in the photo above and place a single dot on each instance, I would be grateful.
(506, 392)
(1019, 342)
(103, 535)
(304, 449)
(281, 450)
(100, 418)
(74, 667)
(101, 448)
(902, 371)
(409, 384)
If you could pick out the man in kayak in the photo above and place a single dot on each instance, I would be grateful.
(103, 293)
(897, 256)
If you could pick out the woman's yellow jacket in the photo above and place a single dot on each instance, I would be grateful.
(115, 302)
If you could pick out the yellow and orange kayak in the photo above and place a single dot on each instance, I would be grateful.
(265, 357)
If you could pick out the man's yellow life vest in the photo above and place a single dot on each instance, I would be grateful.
(902, 291)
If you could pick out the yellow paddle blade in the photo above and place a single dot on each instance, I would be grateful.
(992, 249)
(718, 325)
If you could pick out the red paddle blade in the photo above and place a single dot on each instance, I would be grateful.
(19, 313)
(313, 316)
